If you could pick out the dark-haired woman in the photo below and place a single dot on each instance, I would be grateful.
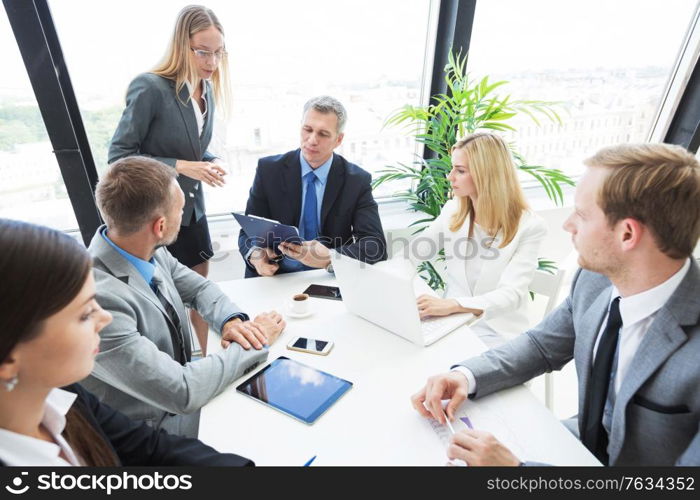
(49, 325)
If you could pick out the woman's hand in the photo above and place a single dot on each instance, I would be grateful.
(429, 305)
(434, 306)
(207, 172)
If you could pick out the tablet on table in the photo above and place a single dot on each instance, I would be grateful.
(298, 390)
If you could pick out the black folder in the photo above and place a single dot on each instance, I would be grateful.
(267, 233)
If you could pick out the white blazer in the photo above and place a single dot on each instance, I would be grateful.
(501, 289)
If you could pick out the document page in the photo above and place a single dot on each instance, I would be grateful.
(484, 416)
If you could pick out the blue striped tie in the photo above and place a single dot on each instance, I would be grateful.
(310, 217)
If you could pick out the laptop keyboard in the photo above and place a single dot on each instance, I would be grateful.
(436, 326)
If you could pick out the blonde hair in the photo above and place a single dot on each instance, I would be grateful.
(657, 185)
(177, 64)
(501, 201)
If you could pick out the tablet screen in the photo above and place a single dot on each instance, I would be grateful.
(296, 389)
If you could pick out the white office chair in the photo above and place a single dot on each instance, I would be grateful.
(548, 285)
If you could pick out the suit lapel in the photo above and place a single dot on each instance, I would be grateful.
(334, 184)
(120, 268)
(187, 114)
(664, 337)
(168, 290)
(208, 120)
(292, 185)
(586, 335)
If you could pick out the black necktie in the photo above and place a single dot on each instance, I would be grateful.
(594, 437)
(182, 351)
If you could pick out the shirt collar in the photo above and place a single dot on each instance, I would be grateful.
(321, 172)
(189, 87)
(642, 305)
(20, 450)
(58, 402)
(145, 268)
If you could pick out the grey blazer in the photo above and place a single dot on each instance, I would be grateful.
(135, 371)
(656, 416)
(157, 124)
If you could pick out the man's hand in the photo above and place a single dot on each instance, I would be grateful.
(261, 258)
(429, 305)
(428, 401)
(310, 253)
(244, 333)
(481, 449)
(272, 324)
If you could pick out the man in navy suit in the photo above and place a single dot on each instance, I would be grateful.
(328, 198)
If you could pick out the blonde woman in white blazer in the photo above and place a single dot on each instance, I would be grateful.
(491, 241)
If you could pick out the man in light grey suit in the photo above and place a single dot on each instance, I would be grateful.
(631, 321)
(145, 367)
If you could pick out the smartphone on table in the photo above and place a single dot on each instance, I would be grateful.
(311, 346)
(323, 292)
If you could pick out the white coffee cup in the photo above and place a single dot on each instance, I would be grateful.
(300, 303)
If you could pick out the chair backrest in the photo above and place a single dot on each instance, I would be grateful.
(548, 285)
(544, 283)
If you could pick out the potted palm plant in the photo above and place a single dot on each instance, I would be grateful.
(469, 105)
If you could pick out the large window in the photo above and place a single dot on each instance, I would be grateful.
(31, 187)
(368, 54)
(607, 62)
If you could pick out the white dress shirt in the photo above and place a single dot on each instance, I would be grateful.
(199, 114)
(637, 311)
(19, 450)
(473, 271)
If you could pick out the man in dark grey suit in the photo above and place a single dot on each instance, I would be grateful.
(328, 198)
(631, 321)
(145, 367)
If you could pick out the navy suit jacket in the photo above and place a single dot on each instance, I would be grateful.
(349, 216)
(135, 443)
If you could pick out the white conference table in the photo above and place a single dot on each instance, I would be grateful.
(374, 423)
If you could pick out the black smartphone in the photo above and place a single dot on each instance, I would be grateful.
(324, 292)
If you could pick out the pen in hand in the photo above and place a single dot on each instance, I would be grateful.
(449, 425)
(453, 461)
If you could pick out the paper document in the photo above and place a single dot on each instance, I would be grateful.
(482, 416)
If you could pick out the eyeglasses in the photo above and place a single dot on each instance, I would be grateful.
(206, 54)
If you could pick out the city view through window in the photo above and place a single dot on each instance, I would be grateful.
(596, 58)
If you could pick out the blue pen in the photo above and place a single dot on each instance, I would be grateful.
(310, 460)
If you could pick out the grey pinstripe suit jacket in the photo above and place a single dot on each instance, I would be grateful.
(135, 371)
(656, 417)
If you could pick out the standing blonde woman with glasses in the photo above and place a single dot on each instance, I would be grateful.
(491, 241)
(169, 116)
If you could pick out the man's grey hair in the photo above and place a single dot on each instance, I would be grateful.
(328, 104)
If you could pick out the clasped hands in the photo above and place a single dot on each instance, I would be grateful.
(262, 331)
(310, 253)
(475, 447)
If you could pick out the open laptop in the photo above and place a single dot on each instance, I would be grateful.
(385, 294)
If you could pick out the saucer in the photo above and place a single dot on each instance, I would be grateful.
(295, 315)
